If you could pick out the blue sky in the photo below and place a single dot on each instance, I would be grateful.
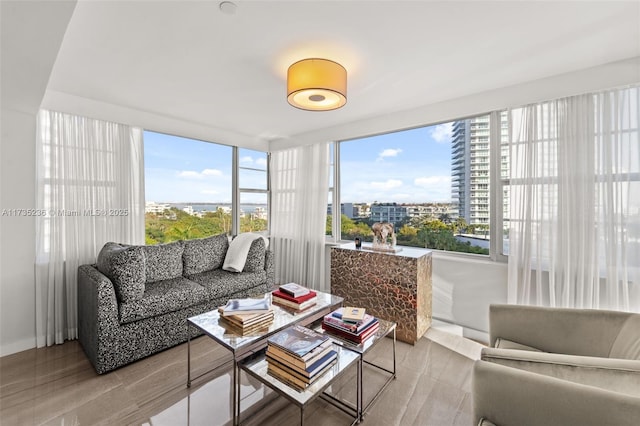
(410, 166)
(185, 170)
(407, 167)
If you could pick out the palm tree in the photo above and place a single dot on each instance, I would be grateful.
(183, 231)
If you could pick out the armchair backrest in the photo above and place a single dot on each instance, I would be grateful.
(587, 332)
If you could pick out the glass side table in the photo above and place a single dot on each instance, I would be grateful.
(258, 368)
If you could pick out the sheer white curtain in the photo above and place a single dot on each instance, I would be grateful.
(575, 202)
(299, 193)
(90, 190)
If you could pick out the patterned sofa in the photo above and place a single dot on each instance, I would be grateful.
(135, 300)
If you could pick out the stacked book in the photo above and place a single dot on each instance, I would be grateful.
(243, 316)
(298, 356)
(294, 296)
(351, 324)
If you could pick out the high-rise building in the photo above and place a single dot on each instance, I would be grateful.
(470, 169)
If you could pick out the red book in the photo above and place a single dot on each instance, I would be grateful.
(350, 336)
(282, 295)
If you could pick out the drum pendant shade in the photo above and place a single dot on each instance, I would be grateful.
(317, 85)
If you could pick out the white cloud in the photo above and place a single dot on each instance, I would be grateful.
(431, 181)
(389, 184)
(246, 160)
(261, 162)
(389, 152)
(212, 172)
(442, 133)
(191, 174)
(209, 192)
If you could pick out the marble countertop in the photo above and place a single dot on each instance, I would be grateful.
(413, 252)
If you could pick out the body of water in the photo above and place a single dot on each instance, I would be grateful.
(247, 208)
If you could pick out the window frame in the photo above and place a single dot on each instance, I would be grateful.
(238, 190)
(496, 200)
(235, 176)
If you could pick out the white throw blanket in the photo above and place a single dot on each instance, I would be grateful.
(238, 250)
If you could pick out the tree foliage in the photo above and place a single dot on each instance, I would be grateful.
(418, 232)
(174, 224)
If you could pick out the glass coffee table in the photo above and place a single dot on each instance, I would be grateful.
(258, 368)
(241, 346)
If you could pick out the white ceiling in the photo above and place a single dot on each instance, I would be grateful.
(189, 61)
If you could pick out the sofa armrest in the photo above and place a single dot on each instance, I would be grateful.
(617, 375)
(585, 332)
(269, 267)
(97, 311)
(508, 396)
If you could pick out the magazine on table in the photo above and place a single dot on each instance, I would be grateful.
(246, 306)
(297, 340)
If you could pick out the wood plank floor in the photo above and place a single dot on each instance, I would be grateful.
(58, 386)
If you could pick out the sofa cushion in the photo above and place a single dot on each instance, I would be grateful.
(164, 261)
(255, 257)
(125, 267)
(204, 254)
(162, 297)
(221, 283)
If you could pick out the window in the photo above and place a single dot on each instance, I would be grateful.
(614, 162)
(188, 188)
(432, 183)
(254, 191)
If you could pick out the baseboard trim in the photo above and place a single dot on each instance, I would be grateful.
(15, 347)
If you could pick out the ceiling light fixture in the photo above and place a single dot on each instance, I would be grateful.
(317, 85)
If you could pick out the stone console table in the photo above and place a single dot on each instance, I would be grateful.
(392, 286)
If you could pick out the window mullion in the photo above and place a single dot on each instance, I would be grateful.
(336, 211)
(495, 188)
(235, 192)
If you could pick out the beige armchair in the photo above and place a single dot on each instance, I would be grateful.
(549, 358)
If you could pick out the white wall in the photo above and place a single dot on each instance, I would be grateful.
(17, 233)
(32, 32)
(463, 288)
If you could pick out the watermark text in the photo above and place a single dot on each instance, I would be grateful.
(64, 212)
